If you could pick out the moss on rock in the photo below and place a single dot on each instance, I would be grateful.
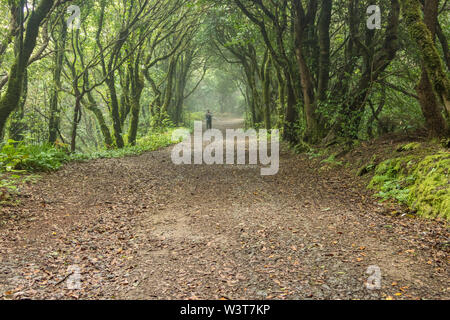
(420, 182)
(392, 169)
(430, 193)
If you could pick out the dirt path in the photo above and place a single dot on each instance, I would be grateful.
(143, 228)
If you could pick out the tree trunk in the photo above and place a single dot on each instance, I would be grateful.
(75, 122)
(11, 99)
(252, 93)
(115, 114)
(135, 110)
(324, 45)
(424, 38)
(266, 91)
(168, 93)
(281, 96)
(291, 113)
(17, 125)
(429, 103)
(91, 105)
(312, 131)
(54, 99)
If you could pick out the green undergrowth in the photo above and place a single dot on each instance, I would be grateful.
(151, 142)
(18, 161)
(327, 158)
(191, 117)
(9, 186)
(16, 157)
(418, 180)
(331, 160)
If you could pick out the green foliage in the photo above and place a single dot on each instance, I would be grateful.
(409, 147)
(196, 116)
(302, 147)
(312, 154)
(366, 169)
(161, 122)
(8, 186)
(152, 141)
(392, 179)
(420, 182)
(430, 194)
(191, 117)
(332, 161)
(395, 188)
(20, 157)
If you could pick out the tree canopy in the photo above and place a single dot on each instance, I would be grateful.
(320, 71)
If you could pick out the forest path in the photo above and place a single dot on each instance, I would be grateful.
(143, 228)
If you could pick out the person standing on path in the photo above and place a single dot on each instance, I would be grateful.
(208, 120)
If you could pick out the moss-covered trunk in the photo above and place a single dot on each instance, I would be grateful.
(136, 92)
(91, 105)
(309, 100)
(17, 124)
(428, 101)
(169, 89)
(324, 47)
(253, 93)
(54, 119)
(115, 114)
(266, 78)
(11, 99)
(75, 122)
(291, 114)
(432, 62)
(281, 96)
